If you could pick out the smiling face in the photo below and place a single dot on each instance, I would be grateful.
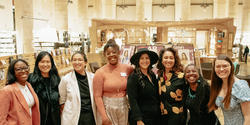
(168, 60)
(222, 69)
(21, 72)
(112, 55)
(45, 65)
(78, 63)
(191, 74)
(144, 61)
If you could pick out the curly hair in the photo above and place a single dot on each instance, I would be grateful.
(177, 65)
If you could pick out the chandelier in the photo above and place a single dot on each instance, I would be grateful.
(123, 5)
(163, 4)
(204, 4)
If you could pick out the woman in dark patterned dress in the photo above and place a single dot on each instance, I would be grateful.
(171, 88)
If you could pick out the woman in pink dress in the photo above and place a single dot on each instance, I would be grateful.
(110, 84)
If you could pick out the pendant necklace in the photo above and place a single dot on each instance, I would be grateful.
(190, 95)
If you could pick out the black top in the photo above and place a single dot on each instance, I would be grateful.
(196, 102)
(83, 84)
(172, 96)
(246, 51)
(143, 97)
(48, 96)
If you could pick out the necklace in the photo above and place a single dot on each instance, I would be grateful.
(190, 95)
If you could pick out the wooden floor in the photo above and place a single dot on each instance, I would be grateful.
(244, 72)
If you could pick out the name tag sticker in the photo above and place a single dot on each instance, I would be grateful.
(123, 74)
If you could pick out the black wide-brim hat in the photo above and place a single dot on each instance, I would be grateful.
(152, 55)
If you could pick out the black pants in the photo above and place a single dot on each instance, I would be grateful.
(86, 118)
(173, 119)
(246, 57)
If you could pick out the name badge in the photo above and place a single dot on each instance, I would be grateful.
(123, 74)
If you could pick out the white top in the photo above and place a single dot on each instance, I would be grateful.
(27, 95)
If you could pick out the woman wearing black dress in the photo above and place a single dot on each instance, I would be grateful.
(142, 89)
(45, 81)
(197, 98)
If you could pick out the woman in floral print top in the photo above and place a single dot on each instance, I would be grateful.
(171, 88)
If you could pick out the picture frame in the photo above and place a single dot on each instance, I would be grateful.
(126, 53)
(186, 53)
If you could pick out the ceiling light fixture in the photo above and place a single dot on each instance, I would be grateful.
(163, 4)
(204, 4)
(123, 5)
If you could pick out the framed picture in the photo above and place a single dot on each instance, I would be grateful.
(126, 53)
(186, 53)
(2, 74)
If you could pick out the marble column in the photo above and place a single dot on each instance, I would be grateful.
(182, 10)
(61, 15)
(98, 6)
(109, 9)
(24, 26)
(231, 8)
(246, 23)
(144, 10)
(219, 10)
(139, 10)
(83, 16)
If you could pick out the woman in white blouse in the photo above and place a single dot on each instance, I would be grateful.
(76, 94)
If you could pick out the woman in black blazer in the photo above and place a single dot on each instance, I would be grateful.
(142, 89)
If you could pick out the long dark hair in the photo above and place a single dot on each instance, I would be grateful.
(53, 73)
(11, 77)
(216, 85)
(137, 71)
(177, 65)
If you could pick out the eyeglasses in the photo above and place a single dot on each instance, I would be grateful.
(223, 66)
(23, 69)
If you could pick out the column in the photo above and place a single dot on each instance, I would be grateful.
(83, 16)
(98, 7)
(231, 8)
(139, 10)
(73, 19)
(61, 15)
(246, 22)
(144, 10)
(182, 10)
(24, 25)
(109, 9)
(219, 10)
(148, 10)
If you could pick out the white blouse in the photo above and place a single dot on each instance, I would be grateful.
(27, 95)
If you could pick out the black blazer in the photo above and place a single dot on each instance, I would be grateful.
(143, 99)
(48, 96)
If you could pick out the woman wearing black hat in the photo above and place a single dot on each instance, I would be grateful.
(142, 89)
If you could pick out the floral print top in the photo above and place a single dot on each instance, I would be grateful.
(171, 91)
(240, 93)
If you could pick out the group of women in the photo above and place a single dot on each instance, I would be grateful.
(121, 94)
